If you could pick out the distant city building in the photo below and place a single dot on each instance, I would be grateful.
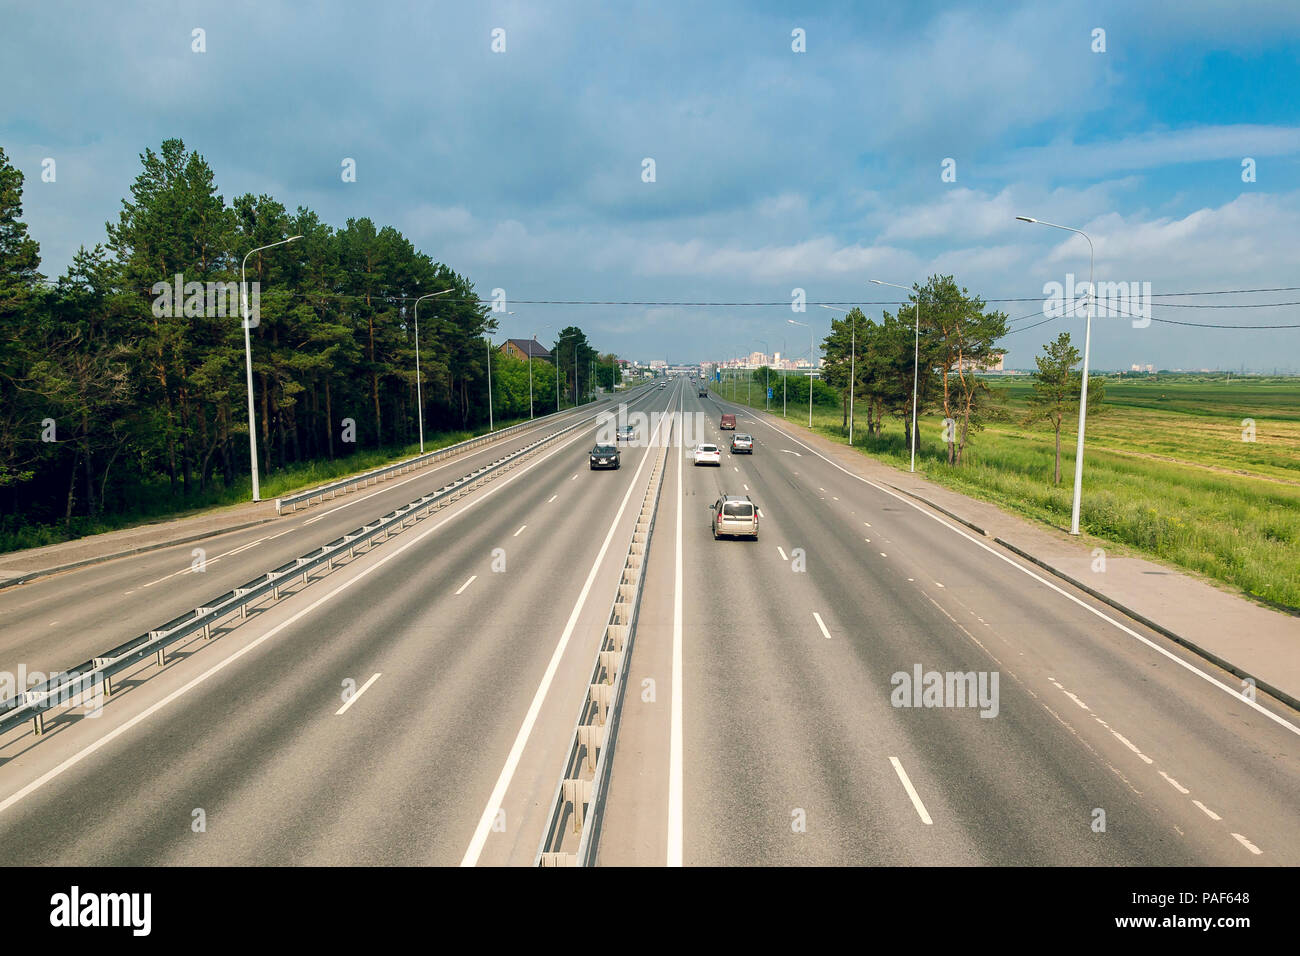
(993, 365)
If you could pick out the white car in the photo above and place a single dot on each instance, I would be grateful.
(708, 455)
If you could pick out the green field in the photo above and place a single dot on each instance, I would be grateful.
(1166, 471)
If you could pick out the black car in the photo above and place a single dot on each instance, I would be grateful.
(604, 456)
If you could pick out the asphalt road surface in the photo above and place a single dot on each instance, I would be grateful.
(415, 705)
(790, 749)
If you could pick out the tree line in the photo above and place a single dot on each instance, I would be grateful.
(940, 354)
(119, 379)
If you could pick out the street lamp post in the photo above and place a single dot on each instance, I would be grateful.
(1083, 389)
(419, 395)
(248, 360)
(916, 361)
(767, 402)
(811, 366)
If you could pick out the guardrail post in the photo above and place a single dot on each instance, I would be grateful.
(97, 663)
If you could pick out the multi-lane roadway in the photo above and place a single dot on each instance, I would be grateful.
(415, 705)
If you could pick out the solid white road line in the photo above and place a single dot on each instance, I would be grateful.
(475, 848)
(781, 551)
(326, 514)
(1230, 691)
(521, 528)
(552, 498)
(676, 813)
(911, 791)
(353, 699)
(822, 624)
(213, 560)
(472, 579)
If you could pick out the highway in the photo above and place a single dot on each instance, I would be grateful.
(253, 731)
(414, 706)
(98, 606)
(790, 751)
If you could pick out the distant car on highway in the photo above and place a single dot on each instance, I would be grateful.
(704, 392)
(735, 516)
(742, 444)
(604, 456)
(706, 454)
(728, 421)
(625, 433)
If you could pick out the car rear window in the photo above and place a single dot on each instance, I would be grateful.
(738, 509)
(708, 448)
(604, 450)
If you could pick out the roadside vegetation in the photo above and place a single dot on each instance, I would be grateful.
(1170, 468)
(123, 394)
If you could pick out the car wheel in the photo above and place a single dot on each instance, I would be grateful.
(715, 531)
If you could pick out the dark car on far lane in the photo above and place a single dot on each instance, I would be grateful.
(604, 456)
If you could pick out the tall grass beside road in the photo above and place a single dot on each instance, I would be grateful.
(1166, 472)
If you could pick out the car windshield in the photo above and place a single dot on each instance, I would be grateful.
(738, 509)
(603, 450)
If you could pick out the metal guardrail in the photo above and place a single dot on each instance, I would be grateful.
(95, 676)
(578, 805)
(343, 485)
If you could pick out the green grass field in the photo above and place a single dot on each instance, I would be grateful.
(1166, 471)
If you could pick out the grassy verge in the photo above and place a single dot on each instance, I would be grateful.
(1166, 472)
(155, 502)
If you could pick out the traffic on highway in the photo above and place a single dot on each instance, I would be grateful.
(658, 436)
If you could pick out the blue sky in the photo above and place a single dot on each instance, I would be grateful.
(775, 170)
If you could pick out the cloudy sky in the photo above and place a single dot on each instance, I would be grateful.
(774, 170)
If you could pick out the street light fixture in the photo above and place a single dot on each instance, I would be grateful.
(916, 360)
(811, 366)
(1083, 389)
(248, 360)
(419, 395)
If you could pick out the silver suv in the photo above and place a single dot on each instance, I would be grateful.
(734, 515)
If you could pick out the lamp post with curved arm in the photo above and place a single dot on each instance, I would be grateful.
(419, 395)
(248, 360)
(1083, 389)
(811, 366)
